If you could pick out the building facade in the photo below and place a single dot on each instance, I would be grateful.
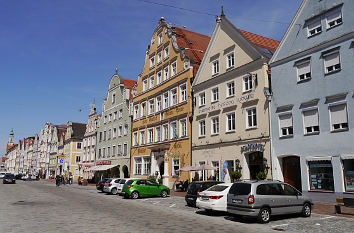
(162, 104)
(231, 114)
(114, 130)
(312, 103)
(89, 144)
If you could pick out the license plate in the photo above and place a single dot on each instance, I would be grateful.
(204, 198)
(237, 201)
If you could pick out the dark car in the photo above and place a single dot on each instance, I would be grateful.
(9, 179)
(195, 188)
(18, 176)
(101, 183)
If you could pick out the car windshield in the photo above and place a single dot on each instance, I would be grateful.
(129, 182)
(108, 181)
(9, 176)
(217, 188)
(122, 181)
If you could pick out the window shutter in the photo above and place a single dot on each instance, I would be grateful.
(334, 16)
(332, 59)
(303, 68)
(311, 118)
(286, 120)
(314, 25)
(338, 114)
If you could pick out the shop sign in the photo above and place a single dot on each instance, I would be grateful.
(253, 147)
(217, 106)
(61, 156)
(141, 150)
(104, 162)
(245, 98)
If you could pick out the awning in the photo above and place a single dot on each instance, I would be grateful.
(318, 158)
(347, 156)
(103, 167)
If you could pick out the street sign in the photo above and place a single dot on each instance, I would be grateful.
(61, 160)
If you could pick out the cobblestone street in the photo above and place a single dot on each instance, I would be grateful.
(43, 207)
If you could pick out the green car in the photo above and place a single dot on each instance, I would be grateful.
(143, 188)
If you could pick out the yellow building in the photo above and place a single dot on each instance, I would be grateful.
(162, 104)
(73, 150)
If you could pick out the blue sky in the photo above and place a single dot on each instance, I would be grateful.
(57, 56)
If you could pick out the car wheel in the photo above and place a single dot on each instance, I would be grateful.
(264, 215)
(306, 210)
(164, 193)
(114, 191)
(135, 195)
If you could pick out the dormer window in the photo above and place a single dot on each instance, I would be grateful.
(314, 28)
(160, 38)
(166, 52)
(334, 19)
(230, 60)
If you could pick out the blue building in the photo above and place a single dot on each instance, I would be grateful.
(312, 104)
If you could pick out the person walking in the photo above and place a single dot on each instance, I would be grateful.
(57, 180)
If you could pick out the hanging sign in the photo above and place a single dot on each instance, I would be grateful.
(253, 147)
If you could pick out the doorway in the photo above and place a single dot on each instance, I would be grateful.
(162, 169)
(125, 172)
(292, 172)
(255, 164)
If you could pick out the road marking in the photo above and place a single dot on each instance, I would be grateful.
(317, 224)
(156, 202)
(281, 225)
(329, 217)
(173, 205)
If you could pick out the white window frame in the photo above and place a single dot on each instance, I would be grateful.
(119, 153)
(114, 132)
(142, 136)
(151, 82)
(166, 52)
(173, 68)
(152, 61)
(145, 84)
(302, 76)
(338, 20)
(248, 123)
(136, 112)
(201, 99)
(135, 138)
(166, 73)
(183, 128)
(215, 67)
(120, 130)
(174, 97)
(158, 103)
(150, 136)
(202, 128)
(232, 121)
(158, 134)
(158, 77)
(230, 89)
(120, 113)
(159, 38)
(183, 93)
(173, 130)
(166, 101)
(334, 68)
(138, 165)
(311, 128)
(314, 28)
(165, 132)
(151, 106)
(230, 60)
(215, 94)
(344, 126)
(159, 57)
(143, 109)
(288, 128)
(126, 129)
(247, 83)
(125, 149)
(215, 131)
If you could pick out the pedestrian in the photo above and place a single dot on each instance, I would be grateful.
(71, 177)
(57, 180)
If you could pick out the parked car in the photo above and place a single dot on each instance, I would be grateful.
(111, 186)
(262, 199)
(2, 174)
(196, 187)
(121, 184)
(101, 183)
(18, 176)
(9, 179)
(144, 187)
(214, 198)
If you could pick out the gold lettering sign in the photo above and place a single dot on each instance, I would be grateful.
(141, 150)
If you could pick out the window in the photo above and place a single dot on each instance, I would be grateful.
(158, 104)
(114, 115)
(247, 83)
(147, 166)
(120, 130)
(99, 153)
(286, 124)
(113, 151)
(230, 60)
(215, 67)
(202, 99)
(100, 136)
(303, 70)
(166, 52)
(183, 93)
(143, 109)
(231, 122)
(120, 149)
(251, 118)
(142, 137)
(214, 94)
(159, 57)
(114, 132)
(138, 166)
(215, 125)
(158, 77)
(78, 159)
(151, 106)
(331, 62)
(105, 119)
(108, 152)
(152, 79)
(110, 117)
(348, 165)
(201, 128)
(311, 124)
(125, 149)
(78, 145)
(174, 100)
(136, 112)
(120, 113)
(321, 173)
(126, 129)
(175, 167)
(160, 38)
(145, 83)
(109, 134)
(135, 138)
(173, 69)
(165, 73)
(183, 128)
(113, 98)
(104, 135)
(165, 100)
(165, 132)
(338, 117)
(152, 62)
(104, 152)
(216, 172)
(150, 138)
(230, 89)
(173, 130)
(334, 19)
(158, 134)
(314, 28)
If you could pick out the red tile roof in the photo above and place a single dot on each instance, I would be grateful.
(129, 83)
(3, 159)
(260, 41)
(195, 45)
(9, 147)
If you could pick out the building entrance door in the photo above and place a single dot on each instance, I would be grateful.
(292, 172)
(255, 164)
(162, 169)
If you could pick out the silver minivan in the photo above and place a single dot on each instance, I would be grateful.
(262, 199)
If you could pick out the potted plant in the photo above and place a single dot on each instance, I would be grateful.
(235, 175)
(261, 176)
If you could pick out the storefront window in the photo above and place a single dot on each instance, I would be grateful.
(321, 175)
(349, 174)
